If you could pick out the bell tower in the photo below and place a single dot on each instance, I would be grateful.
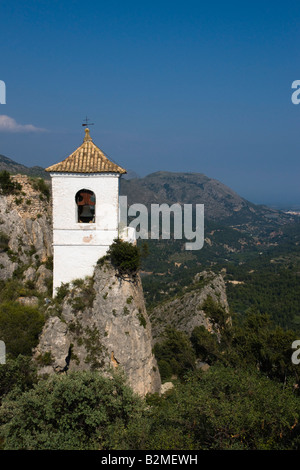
(85, 203)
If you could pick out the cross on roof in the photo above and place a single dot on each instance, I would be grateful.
(86, 122)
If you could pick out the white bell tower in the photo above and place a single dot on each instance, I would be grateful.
(85, 198)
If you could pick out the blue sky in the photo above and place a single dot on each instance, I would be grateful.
(175, 86)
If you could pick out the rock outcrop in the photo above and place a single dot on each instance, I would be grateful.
(99, 323)
(25, 233)
(185, 312)
(103, 324)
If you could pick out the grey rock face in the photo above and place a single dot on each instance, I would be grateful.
(184, 313)
(25, 221)
(103, 325)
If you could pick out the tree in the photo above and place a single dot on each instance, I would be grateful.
(8, 186)
(78, 411)
(174, 353)
(125, 257)
(19, 373)
(258, 343)
(205, 344)
(20, 327)
(226, 409)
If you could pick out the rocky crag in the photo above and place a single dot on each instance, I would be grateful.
(185, 312)
(26, 234)
(102, 325)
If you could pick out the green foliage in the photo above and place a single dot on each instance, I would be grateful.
(259, 344)
(217, 314)
(125, 257)
(17, 374)
(226, 408)
(4, 239)
(10, 290)
(270, 285)
(49, 263)
(45, 359)
(7, 185)
(175, 350)
(78, 411)
(61, 292)
(205, 345)
(141, 318)
(39, 184)
(83, 295)
(20, 326)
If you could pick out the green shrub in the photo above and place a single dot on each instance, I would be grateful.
(141, 318)
(205, 344)
(7, 185)
(78, 411)
(19, 373)
(165, 370)
(215, 312)
(125, 257)
(20, 327)
(62, 291)
(39, 184)
(45, 359)
(4, 239)
(49, 263)
(177, 351)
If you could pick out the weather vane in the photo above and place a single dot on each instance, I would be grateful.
(86, 122)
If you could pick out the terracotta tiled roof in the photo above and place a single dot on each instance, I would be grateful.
(88, 158)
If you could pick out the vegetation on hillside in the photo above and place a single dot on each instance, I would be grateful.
(234, 388)
(248, 399)
(7, 185)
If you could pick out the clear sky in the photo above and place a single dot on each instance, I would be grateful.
(169, 85)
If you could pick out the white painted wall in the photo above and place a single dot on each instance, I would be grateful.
(78, 246)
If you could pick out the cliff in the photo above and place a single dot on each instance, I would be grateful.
(102, 324)
(26, 233)
(187, 311)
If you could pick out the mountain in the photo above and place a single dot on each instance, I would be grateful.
(230, 220)
(235, 231)
(220, 202)
(7, 164)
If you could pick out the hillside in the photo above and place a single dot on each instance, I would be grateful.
(221, 203)
(7, 164)
(219, 375)
(237, 234)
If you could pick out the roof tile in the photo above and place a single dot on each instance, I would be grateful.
(87, 158)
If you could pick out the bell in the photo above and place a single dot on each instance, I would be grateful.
(86, 212)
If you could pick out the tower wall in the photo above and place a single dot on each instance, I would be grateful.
(77, 246)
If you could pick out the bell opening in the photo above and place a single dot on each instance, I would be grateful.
(86, 204)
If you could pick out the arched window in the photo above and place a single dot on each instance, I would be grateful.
(86, 205)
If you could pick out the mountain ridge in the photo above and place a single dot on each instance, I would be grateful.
(222, 204)
(7, 164)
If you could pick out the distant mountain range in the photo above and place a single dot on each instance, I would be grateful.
(221, 203)
(235, 230)
(13, 167)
